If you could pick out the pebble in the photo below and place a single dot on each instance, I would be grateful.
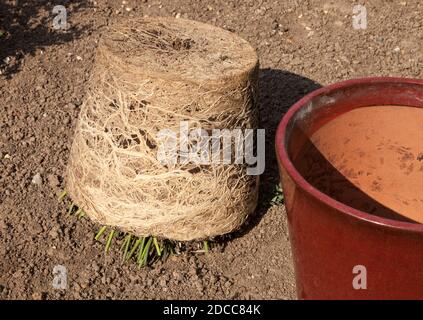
(39, 296)
(77, 287)
(176, 275)
(35, 228)
(199, 286)
(53, 180)
(163, 282)
(53, 233)
(37, 180)
(95, 266)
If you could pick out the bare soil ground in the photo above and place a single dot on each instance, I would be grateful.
(301, 44)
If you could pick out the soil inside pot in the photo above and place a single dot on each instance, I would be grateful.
(371, 159)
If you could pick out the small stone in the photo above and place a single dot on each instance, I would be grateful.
(213, 279)
(53, 180)
(199, 286)
(53, 233)
(39, 295)
(193, 270)
(77, 287)
(176, 275)
(163, 282)
(95, 266)
(35, 228)
(37, 180)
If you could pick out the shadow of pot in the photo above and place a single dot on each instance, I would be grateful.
(355, 244)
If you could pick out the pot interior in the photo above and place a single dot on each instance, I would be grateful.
(363, 146)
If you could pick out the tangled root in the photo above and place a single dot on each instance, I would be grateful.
(150, 75)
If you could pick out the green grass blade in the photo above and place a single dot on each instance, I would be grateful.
(206, 246)
(125, 246)
(133, 249)
(109, 241)
(146, 251)
(71, 208)
(100, 232)
(82, 214)
(165, 251)
(171, 247)
(77, 213)
(156, 244)
(140, 252)
(122, 247)
(62, 195)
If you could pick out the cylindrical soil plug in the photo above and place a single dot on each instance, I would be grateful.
(154, 77)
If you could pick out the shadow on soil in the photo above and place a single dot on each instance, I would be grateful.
(26, 26)
(279, 90)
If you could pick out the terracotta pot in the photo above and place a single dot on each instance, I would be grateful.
(367, 235)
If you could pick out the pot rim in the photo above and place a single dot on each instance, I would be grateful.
(284, 160)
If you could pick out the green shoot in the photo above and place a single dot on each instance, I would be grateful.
(165, 251)
(146, 249)
(133, 249)
(156, 244)
(170, 247)
(71, 207)
(82, 214)
(125, 246)
(78, 212)
(62, 195)
(100, 232)
(145, 252)
(140, 251)
(206, 246)
(109, 241)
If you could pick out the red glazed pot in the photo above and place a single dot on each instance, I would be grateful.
(328, 237)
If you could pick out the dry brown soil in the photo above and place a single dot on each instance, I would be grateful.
(302, 44)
